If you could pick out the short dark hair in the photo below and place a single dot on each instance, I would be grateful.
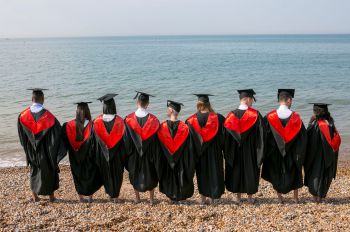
(143, 103)
(38, 97)
(284, 98)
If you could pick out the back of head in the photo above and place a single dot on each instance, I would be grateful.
(82, 113)
(109, 107)
(204, 106)
(143, 102)
(247, 101)
(322, 114)
(38, 97)
(284, 98)
(142, 99)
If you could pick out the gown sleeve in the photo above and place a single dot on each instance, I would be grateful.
(62, 151)
(158, 159)
(54, 143)
(127, 141)
(260, 140)
(64, 141)
(229, 148)
(221, 131)
(195, 143)
(24, 141)
(312, 148)
(269, 139)
(300, 151)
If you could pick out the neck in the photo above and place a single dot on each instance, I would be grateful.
(283, 104)
(173, 118)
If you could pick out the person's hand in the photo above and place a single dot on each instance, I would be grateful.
(312, 119)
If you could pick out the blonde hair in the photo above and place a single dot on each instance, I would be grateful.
(201, 106)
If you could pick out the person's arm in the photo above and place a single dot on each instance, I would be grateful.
(260, 140)
(301, 144)
(23, 140)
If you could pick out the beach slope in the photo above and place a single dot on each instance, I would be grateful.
(67, 214)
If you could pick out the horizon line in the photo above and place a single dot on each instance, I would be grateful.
(171, 35)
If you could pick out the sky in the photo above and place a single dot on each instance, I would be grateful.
(71, 18)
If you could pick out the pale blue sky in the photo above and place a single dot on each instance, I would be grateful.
(64, 18)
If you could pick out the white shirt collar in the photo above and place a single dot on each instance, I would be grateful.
(36, 107)
(284, 112)
(243, 106)
(141, 112)
(108, 117)
(86, 122)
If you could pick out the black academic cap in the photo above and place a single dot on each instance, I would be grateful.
(36, 89)
(82, 103)
(246, 93)
(107, 97)
(142, 96)
(174, 105)
(286, 92)
(203, 97)
(323, 106)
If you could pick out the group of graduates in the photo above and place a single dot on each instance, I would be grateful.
(276, 147)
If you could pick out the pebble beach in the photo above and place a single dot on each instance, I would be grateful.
(19, 213)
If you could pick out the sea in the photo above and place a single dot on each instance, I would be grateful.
(174, 68)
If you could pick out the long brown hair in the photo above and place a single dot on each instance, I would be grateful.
(83, 112)
(201, 106)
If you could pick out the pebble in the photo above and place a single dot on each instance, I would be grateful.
(68, 214)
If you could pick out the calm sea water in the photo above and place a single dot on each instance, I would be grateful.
(173, 67)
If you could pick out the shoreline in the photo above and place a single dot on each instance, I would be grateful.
(67, 214)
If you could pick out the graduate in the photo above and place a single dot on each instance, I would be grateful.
(209, 165)
(110, 137)
(286, 140)
(322, 152)
(176, 166)
(142, 130)
(78, 139)
(244, 147)
(40, 136)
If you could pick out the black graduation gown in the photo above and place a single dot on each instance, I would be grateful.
(176, 167)
(209, 165)
(283, 161)
(244, 153)
(42, 148)
(321, 159)
(140, 161)
(82, 158)
(110, 155)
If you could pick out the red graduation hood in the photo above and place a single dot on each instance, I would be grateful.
(150, 127)
(115, 135)
(209, 130)
(71, 134)
(243, 124)
(173, 144)
(46, 121)
(333, 142)
(290, 130)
